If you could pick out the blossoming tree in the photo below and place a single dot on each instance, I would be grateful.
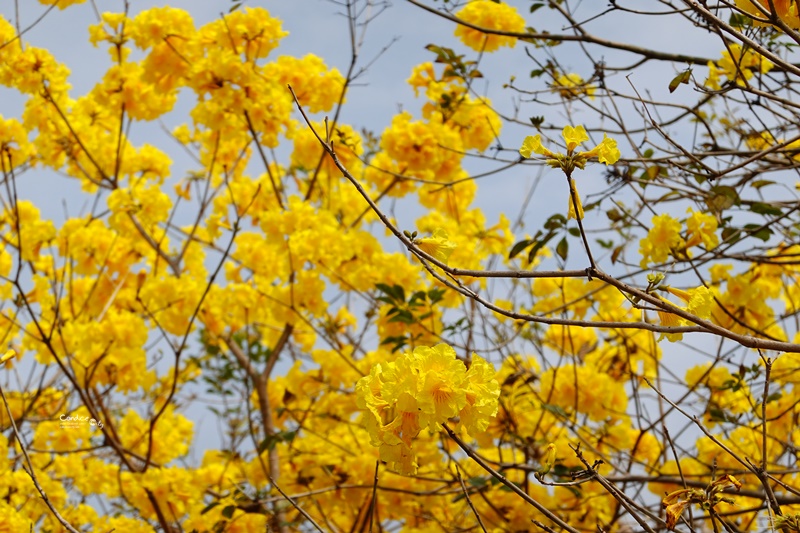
(625, 360)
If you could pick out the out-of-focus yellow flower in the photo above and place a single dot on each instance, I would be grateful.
(701, 302)
(736, 64)
(571, 86)
(492, 16)
(62, 4)
(438, 246)
(670, 320)
(7, 356)
(701, 228)
(662, 239)
(786, 10)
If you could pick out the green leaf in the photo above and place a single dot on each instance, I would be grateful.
(562, 248)
(403, 316)
(774, 397)
(435, 295)
(479, 481)
(717, 415)
(555, 409)
(228, 511)
(757, 184)
(614, 215)
(208, 507)
(398, 341)
(518, 247)
(418, 295)
(731, 235)
(539, 245)
(270, 441)
(758, 232)
(555, 222)
(535, 6)
(682, 77)
(722, 197)
(765, 209)
(737, 20)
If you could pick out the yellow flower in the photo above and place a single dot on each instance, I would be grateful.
(701, 301)
(482, 393)
(662, 239)
(670, 320)
(605, 152)
(574, 136)
(492, 16)
(786, 10)
(701, 228)
(437, 246)
(7, 356)
(736, 64)
(674, 511)
(571, 86)
(532, 144)
(62, 4)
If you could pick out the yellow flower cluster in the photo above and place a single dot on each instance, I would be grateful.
(491, 16)
(745, 302)
(785, 10)
(665, 239)
(571, 86)
(737, 64)
(727, 394)
(605, 152)
(425, 388)
(450, 102)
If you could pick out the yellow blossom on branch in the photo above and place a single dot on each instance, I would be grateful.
(571, 86)
(785, 10)
(438, 246)
(426, 387)
(663, 239)
(701, 228)
(605, 152)
(736, 64)
(492, 16)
